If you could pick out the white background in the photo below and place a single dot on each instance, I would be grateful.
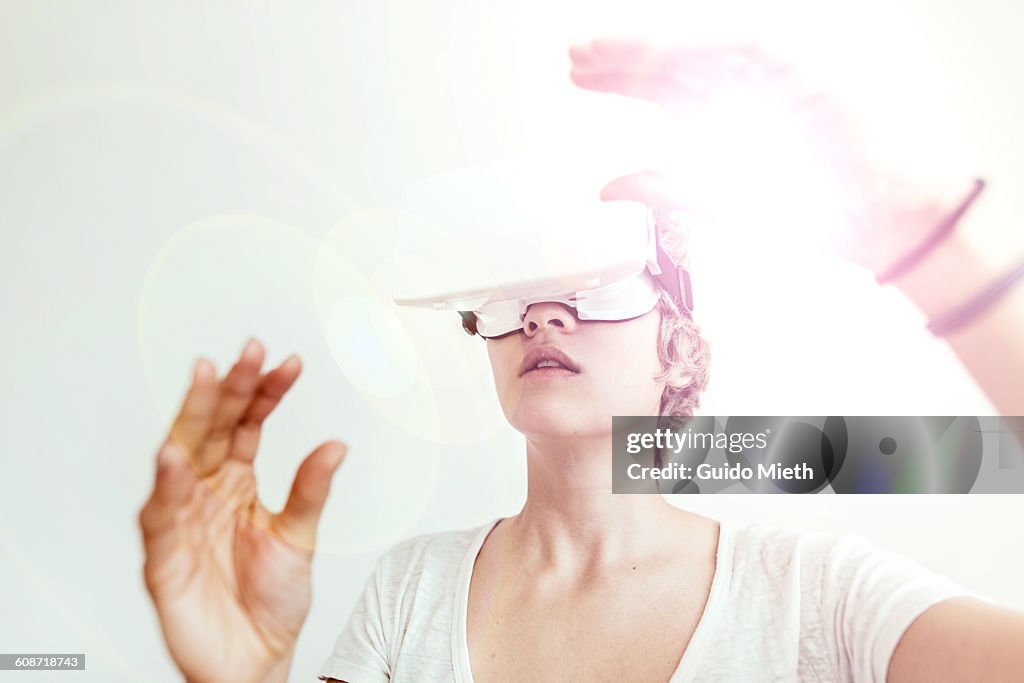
(175, 177)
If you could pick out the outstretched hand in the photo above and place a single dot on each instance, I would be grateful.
(230, 579)
(777, 141)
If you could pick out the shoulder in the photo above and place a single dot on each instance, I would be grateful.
(777, 546)
(834, 605)
(846, 573)
(775, 549)
(436, 554)
(824, 564)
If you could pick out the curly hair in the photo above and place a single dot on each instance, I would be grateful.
(686, 359)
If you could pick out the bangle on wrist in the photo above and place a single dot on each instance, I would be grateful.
(966, 313)
(912, 259)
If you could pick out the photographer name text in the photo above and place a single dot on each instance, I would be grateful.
(706, 472)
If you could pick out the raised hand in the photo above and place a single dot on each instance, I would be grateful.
(775, 143)
(229, 579)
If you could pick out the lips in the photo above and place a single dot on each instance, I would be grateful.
(549, 353)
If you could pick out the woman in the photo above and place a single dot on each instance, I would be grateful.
(583, 584)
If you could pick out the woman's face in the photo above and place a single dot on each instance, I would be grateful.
(616, 363)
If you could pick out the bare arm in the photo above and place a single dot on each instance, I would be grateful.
(991, 347)
(961, 639)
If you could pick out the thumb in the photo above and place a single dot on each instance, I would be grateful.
(298, 521)
(659, 190)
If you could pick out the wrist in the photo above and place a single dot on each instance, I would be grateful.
(279, 672)
(976, 253)
(949, 276)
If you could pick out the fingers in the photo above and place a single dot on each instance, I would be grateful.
(221, 421)
(234, 396)
(175, 481)
(193, 421)
(675, 78)
(632, 53)
(272, 388)
(639, 56)
(627, 68)
(298, 521)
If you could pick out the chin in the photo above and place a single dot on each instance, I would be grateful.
(553, 418)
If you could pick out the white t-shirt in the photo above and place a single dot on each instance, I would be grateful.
(785, 605)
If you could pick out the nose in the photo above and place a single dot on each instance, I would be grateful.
(549, 314)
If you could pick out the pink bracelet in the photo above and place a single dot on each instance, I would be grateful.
(940, 233)
(965, 314)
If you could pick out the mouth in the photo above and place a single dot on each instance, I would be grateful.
(548, 361)
(540, 373)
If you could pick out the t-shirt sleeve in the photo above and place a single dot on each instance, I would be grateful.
(360, 652)
(870, 596)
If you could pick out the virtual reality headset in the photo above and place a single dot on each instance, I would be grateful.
(492, 239)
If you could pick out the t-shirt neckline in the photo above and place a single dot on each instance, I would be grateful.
(688, 663)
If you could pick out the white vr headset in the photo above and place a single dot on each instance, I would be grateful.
(492, 239)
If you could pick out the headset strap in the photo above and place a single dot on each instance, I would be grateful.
(676, 281)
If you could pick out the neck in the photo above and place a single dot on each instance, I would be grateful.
(571, 522)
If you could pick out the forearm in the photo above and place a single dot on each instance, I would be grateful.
(992, 346)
